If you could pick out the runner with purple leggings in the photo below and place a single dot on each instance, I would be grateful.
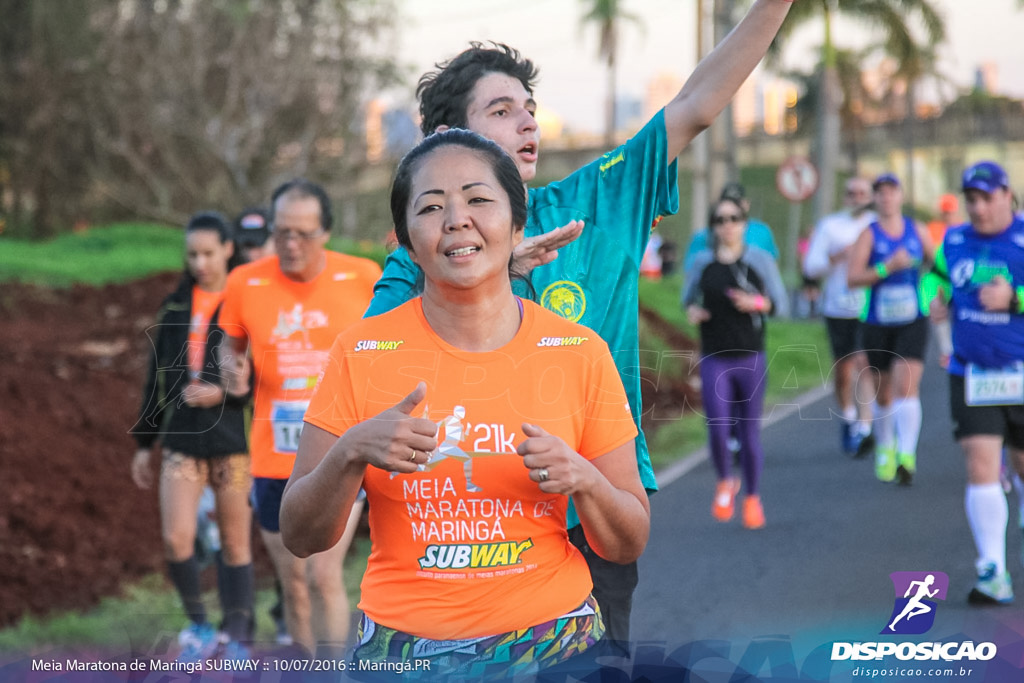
(729, 291)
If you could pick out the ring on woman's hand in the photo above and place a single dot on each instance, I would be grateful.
(542, 474)
(413, 456)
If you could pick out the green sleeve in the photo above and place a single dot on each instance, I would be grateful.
(935, 282)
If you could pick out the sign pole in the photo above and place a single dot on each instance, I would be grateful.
(792, 262)
(796, 180)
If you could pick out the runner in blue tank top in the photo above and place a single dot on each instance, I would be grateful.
(887, 258)
(981, 270)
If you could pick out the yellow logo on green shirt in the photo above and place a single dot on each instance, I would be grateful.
(565, 298)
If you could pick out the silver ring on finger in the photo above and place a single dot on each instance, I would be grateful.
(542, 474)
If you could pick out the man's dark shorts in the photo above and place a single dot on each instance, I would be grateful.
(845, 335)
(1004, 421)
(887, 344)
(267, 494)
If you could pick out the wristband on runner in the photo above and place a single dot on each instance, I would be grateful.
(1017, 300)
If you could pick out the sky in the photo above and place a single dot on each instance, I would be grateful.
(572, 82)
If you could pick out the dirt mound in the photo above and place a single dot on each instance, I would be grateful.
(73, 526)
(673, 387)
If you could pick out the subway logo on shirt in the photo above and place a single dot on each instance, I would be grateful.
(474, 555)
(562, 341)
(378, 344)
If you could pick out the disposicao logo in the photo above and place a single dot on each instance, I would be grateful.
(913, 611)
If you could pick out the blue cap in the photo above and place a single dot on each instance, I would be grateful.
(885, 179)
(986, 176)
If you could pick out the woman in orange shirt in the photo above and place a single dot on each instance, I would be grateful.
(200, 439)
(470, 417)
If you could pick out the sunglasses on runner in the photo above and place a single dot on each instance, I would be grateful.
(730, 218)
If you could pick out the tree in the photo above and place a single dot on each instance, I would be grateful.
(894, 19)
(158, 109)
(855, 101)
(45, 58)
(608, 15)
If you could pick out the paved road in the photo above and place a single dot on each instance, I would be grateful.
(819, 571)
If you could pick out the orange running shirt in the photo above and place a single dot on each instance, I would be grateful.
(204, 304)
(290, 327)
(454, 559)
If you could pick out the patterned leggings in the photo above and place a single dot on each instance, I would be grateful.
(525, 651)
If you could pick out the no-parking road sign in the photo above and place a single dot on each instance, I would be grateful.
(796, 179)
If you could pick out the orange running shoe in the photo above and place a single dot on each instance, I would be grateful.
(753, 513)
(723, 506)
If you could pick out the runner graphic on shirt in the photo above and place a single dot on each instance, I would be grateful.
(454, 433)
(455, 429)
(288, 323)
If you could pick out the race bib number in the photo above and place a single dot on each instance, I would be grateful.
(994, 386)
(286, 421)
(853, 301)
(896, 304)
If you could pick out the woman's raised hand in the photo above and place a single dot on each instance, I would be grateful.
(394, 440)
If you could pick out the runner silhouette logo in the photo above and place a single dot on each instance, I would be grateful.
(913, 610)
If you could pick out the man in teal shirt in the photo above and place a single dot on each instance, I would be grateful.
(618, 197)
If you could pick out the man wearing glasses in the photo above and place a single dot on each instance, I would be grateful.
(285, 311)
(828, 256)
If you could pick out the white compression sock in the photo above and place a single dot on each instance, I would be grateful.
(987, 514)
(907, 415)
(883, 424)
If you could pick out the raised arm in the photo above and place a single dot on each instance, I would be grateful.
(719, 75)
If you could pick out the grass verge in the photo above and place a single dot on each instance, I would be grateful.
(146, 613)
(115, 253)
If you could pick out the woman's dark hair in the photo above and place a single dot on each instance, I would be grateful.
(301, 187)
(444, 93)
(213, 221)
(501, 164)
(505, 171)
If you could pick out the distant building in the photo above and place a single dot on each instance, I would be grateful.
(986, 78)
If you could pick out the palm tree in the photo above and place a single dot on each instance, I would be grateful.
(608, 15)
(894, 19)
(855, 100)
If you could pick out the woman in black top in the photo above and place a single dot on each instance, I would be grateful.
(200, 437)
(729, 291)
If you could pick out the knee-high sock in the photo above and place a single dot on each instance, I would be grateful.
(907, 415)
(883, 425)
(234, 583)
(987, 514)
(185, 577)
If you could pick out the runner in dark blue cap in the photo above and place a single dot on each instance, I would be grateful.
(981, 271)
